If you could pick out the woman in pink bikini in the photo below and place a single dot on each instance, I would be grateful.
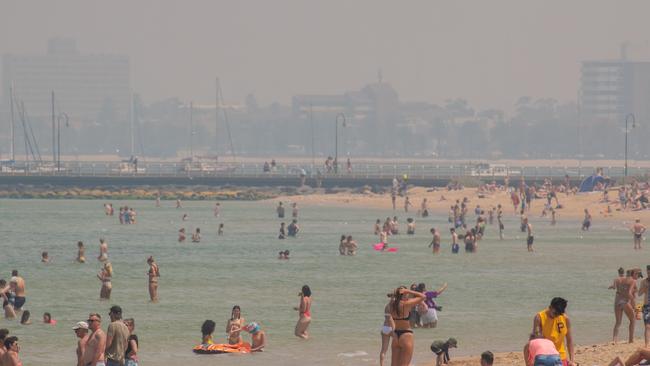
(304, 310)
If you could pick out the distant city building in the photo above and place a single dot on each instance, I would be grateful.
(612, 89)
(85, 85)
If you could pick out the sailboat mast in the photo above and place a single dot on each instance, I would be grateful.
(11, 129)
(131, 112)
(191, 129)
(53, 132)
(216, 118)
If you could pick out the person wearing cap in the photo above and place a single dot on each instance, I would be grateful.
(117, 338)
(554, 325)
(441, 349)
(81, 331)
(258, 337)
(644, 291)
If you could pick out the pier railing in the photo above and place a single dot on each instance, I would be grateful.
(257, 170)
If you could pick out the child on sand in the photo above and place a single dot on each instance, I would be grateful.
(441, 349)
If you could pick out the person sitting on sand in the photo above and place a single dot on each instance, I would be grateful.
(258, 337)
(206, 332)
(540, 351)
(441, 349)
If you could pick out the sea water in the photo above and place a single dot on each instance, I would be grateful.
(490, 303)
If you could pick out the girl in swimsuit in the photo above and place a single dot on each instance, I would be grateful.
(304, 310)
(623, 287)
(105, 275)
(400, 307)
(386, 332)
(206, 332)
(234, 325)
(153, 274)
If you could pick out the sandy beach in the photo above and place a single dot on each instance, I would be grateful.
(586, 355)
(440, 200)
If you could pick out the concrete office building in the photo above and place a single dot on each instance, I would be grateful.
(85, 85)
(609, 90)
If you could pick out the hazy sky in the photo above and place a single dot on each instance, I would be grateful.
(488, 51)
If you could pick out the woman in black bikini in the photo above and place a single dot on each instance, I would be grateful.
(400, 306)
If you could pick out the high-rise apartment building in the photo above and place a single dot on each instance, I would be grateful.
(85, 85)
(610, 90)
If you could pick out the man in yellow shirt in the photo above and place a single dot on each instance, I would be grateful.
(554, 325)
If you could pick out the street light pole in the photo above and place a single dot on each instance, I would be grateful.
(336, 141)
(633, 125)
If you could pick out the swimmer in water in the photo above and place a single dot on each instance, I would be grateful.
(386, 332)
(185, 217)
(410, 226)
(47, 319)
(351, 245)
(178, 203)
(220, 230)
(217, 209)
(638, 230)
(283, 232)
(304, 311)
(342, 248)
(103, 250)
(529, 238)
(196, 237)
(45, 257)
(5, 296)
(207, 329)
(81, 252)
(258, 337)
(455, 247)
(234, 326)
(377, 227)
(105, 275)
(435, 242)
(181, 235)
(153, 274)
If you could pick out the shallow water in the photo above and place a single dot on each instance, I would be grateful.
(490, 302)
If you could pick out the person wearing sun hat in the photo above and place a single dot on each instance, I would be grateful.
(81, 330)
(258, 337)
